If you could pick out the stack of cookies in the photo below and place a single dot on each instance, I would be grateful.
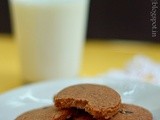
(88, 102)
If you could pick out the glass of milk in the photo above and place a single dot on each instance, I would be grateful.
(50, 35)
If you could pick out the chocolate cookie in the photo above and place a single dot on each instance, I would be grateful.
(132, 112)
(79, 114)
(84, 117)
(46, 113)
(98, 100)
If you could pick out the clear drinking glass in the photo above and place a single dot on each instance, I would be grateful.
(50, 35)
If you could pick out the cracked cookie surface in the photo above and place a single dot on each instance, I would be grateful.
(46, 113)
(132, 112)
(98, 100)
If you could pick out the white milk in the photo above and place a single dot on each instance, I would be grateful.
(51, 35)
